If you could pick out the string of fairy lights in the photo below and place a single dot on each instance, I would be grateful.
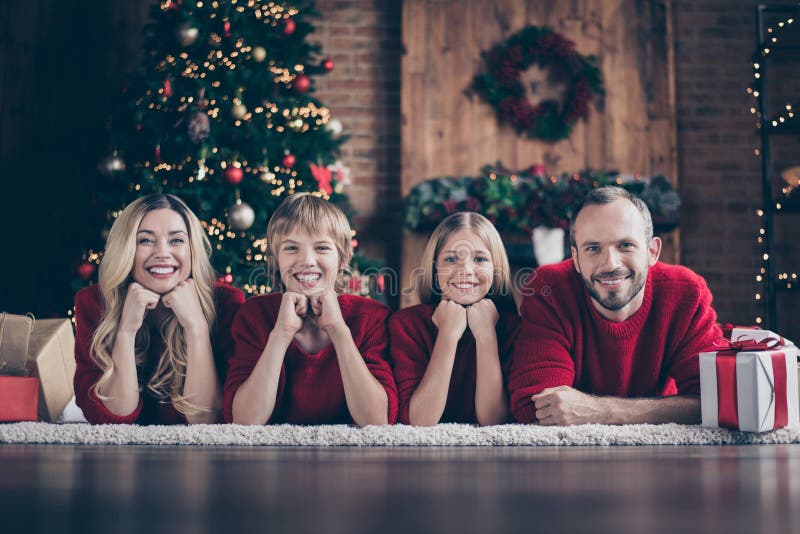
(783, 118)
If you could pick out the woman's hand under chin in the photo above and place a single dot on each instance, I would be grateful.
(185, 304)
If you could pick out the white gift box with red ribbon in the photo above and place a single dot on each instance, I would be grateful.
(750, 384)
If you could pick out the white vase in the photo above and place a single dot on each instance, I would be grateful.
(548, 244)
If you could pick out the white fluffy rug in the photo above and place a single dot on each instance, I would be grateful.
(445, 435)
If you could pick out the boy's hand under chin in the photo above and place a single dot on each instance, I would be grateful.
(326, 310)
(294, 308)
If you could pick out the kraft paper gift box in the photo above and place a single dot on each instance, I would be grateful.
(15, 330)
(51, 358)
(751, 384)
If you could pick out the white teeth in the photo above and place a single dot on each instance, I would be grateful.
(162, 270)
(308, 277)
(611, 282)
(465, 285)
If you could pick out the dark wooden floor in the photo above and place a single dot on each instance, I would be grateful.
(346, 490)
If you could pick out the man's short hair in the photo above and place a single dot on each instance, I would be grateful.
(606, 195)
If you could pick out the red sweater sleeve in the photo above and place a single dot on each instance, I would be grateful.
(699, 335)
(88, 312)
(374, 348)
(228, 301)
(250, 331)
(411, 346)
(542, 356)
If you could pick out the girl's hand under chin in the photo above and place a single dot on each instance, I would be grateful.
(450, 317)
(482, 318)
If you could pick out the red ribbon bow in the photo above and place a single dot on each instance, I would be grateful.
(747, 344)
(323, 177)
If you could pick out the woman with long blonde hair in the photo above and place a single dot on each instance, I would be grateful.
(153, 336)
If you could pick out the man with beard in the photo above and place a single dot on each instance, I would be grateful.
(612, 335)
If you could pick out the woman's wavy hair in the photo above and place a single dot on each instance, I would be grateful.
(429, 291)
(115, 274)
(315, 216)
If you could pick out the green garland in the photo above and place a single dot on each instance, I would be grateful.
(502, 87)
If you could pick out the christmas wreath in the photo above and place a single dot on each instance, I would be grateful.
(502, 87)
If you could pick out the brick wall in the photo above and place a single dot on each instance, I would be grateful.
(363, 37)
(720, 175)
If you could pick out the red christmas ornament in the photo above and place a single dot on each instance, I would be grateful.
(86, 269)
(327, 65)
(234, 175)
(289, 27)
(225, 279)
(167, 88)
(302, 83)
(226, 29)
(288, 161)
(157, 154)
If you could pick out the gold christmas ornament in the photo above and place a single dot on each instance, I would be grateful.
(238, 110)
(259, 54)
(335, 127)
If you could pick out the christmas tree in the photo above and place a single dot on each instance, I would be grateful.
(220, 112)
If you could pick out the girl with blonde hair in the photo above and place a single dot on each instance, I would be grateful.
(152, 337)
(451, 353)
(310, 354)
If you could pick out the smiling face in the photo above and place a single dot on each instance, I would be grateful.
(612, 255)
(308, 264)
(464, 268)
(163, 254)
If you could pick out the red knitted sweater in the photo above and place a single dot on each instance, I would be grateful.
(563, 339)
(310, 389)
(413, 334)
(89, 307)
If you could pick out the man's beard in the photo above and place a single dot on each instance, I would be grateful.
(615, 300)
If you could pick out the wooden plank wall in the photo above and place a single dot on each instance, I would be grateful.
(447, 132)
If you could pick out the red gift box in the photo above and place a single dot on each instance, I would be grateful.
(19, 398)
(750, 384)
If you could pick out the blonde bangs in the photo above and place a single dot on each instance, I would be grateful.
(428, 290)
(315, 216)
